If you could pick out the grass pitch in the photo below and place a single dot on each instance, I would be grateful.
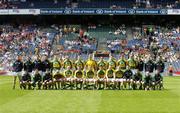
(89, 101)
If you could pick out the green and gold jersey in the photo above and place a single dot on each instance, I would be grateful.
(122, 64)
(110, 73)
(79, 74)
(132, 63)
(80, 64)
(101, 73)
(119, 74)
(56, 64)
(102, 64)
(90, 74)
(68, 73)
(112, 63)
(67, 63)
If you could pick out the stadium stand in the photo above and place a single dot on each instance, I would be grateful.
(91, 4)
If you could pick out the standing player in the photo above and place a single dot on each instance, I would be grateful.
(46, 65)
(79, 63)
(102, 63)
(38, 65)
(112, 62)
(91, 63)
(160, 66)
(140, 65)
(122, 63)
(110, 76)
(132, 64)
(28, 66)
(149, 66)
(67, 63)
(17, 68)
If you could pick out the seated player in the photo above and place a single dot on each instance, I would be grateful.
(68, 81)
(90, 78)
(102, 64)
(110, 76)
(158, 81)
(128, 78)
(101, 78)
(79, 63)
(137, 80)
(112, 62)
(25, 81)
(47, 80)
(148, 81)
(119, 78)
(132, 64)
(79, 78)
(37, 80)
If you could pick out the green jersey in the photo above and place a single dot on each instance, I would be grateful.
(110, 73)
(80, 64)
(122, 63)
(90, 74)
(67, 63)
(132, 63)
(56, 64)
(101, 73)
(112, 63)
(119, 74)
(79, 74)
(68, 73)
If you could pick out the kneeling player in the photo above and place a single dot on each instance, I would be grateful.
(119, 78)
(25, 81)
(147, 81)
(110, 78)
(47, 81)
(90, 78)
(158, 81)
(137, 80)
(68, 81)
(128, 75)
(101, 75)
(37, 80)
(79, 80)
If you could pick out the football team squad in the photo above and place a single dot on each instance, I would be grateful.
(134, 73)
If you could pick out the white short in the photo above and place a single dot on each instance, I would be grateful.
(111, 79)
(79, 79)
(119, 80)
(101, 79)
(90, 80)
(17, 74)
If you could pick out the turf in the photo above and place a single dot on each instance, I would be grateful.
(89, 101)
